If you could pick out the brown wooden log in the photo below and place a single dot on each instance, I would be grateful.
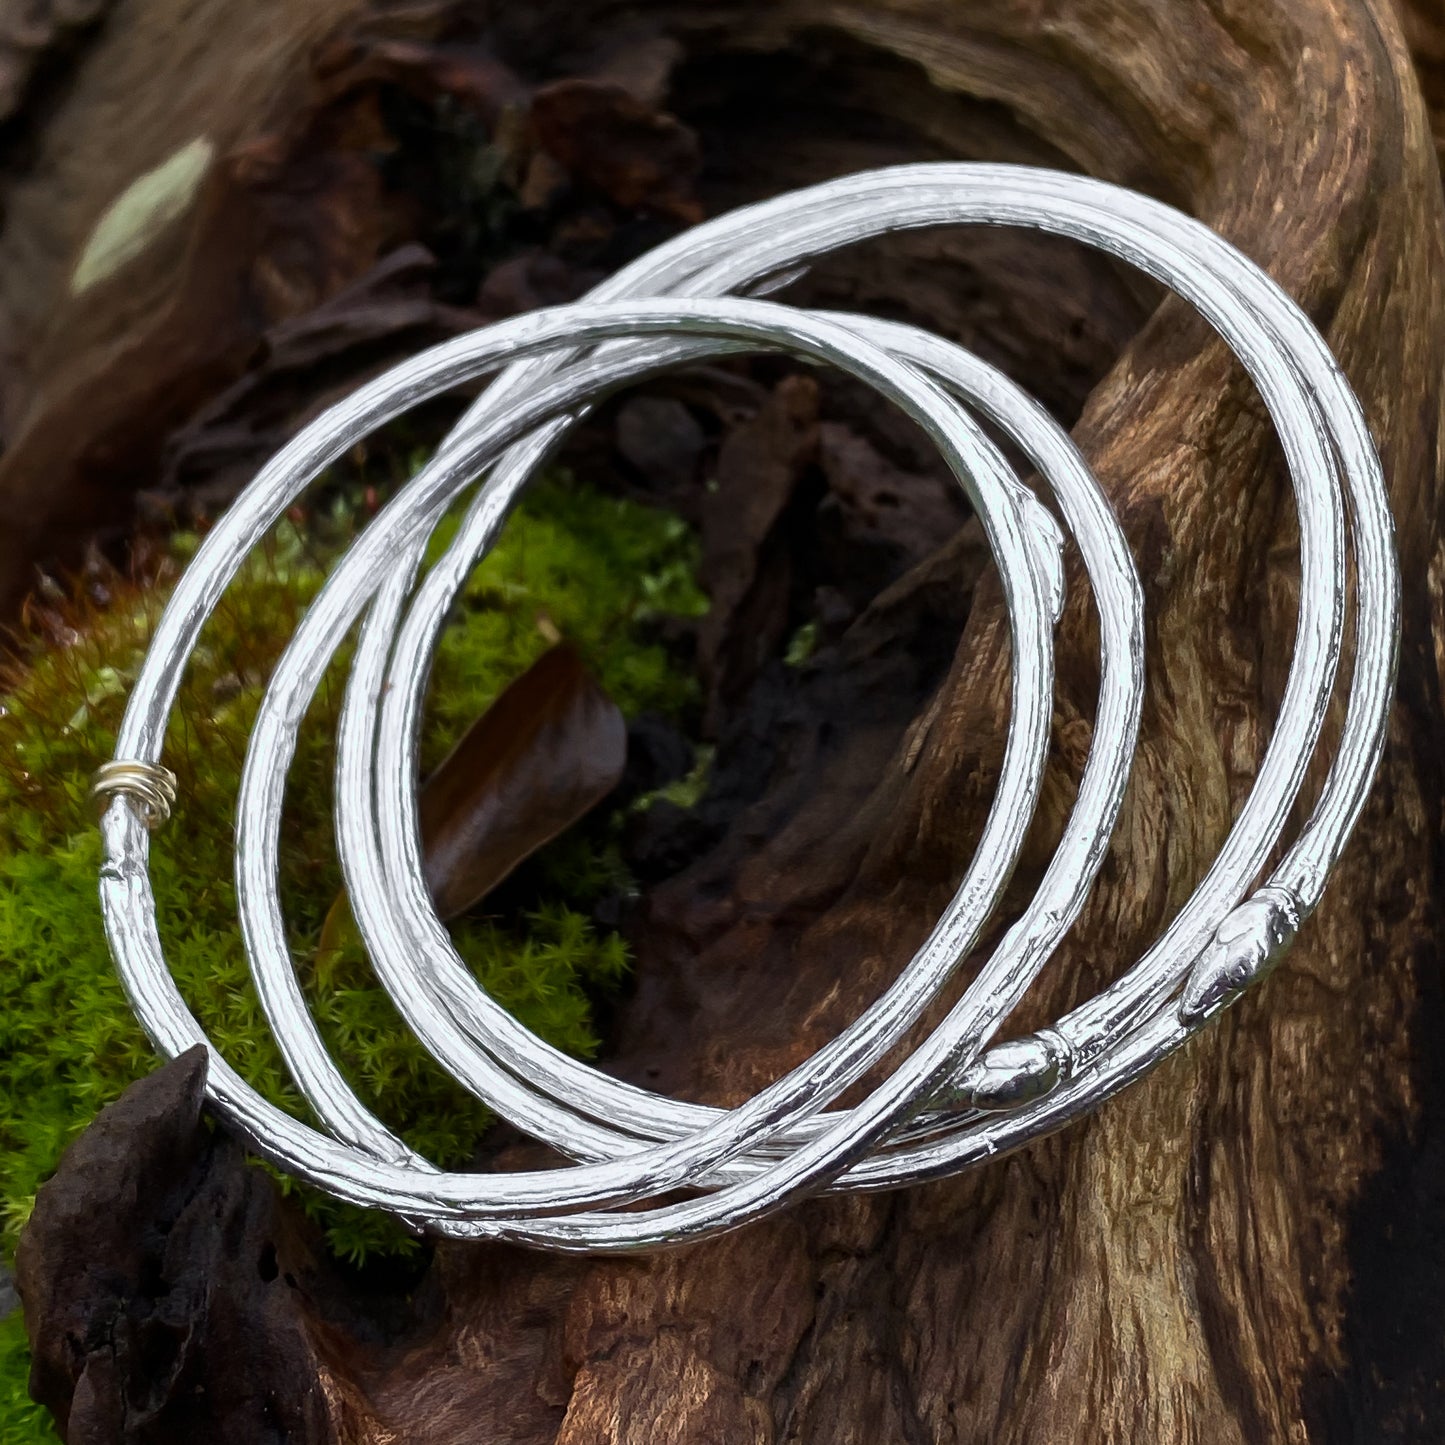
(1242, 1248)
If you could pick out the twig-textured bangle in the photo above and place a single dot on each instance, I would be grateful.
(953, 1100)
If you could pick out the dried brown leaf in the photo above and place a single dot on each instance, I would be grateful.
(547, 751)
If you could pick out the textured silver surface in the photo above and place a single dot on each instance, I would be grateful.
(954, 1100)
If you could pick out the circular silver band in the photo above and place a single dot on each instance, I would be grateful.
(952, 1101)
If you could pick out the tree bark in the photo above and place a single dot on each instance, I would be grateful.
(1239, 1249)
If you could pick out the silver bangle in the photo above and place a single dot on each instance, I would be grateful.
(954, 1100)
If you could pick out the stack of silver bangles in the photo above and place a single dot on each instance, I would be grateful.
(649, 1170)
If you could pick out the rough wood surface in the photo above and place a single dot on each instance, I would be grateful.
(1241, 1248)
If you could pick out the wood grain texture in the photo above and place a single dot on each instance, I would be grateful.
(1176, 1269)
(95, 375)
(1233, 1251)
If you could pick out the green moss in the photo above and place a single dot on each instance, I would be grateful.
(686, 791)
(595, 569)
(802, 645)
(22, 1421)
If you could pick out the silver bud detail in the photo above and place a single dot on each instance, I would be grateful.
(1015, 1073)
(1245, 948)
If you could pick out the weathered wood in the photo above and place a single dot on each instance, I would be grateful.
(1207, 1259)
(118, 321)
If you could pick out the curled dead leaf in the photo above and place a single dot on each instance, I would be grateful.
(547, 751)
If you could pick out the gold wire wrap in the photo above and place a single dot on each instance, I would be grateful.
(151, 787)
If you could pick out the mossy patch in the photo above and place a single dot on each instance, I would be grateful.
(22, 1421)
(595, 569)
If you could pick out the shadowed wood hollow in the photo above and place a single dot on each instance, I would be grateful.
(1245, 1247)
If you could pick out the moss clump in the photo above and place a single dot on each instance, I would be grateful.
(595, 569)
(22, 1421)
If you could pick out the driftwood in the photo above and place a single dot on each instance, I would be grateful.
(1243, 1248)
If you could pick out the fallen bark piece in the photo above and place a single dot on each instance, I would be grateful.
(746, 560)
(603, 134)
(161, 1293)
(878, 518)
(307, 363)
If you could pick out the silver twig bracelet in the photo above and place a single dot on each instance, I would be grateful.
(954, 1100)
